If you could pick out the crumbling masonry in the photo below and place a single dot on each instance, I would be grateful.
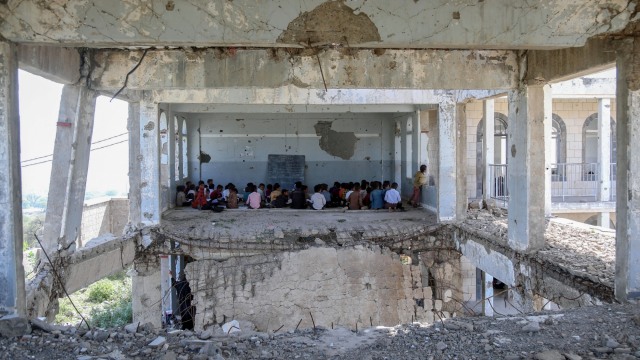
(365, 89)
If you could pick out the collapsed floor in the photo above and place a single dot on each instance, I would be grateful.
(279, 269)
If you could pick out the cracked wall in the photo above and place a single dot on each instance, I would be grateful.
(334, 144)
(343, 286)
(340, 144)
(425, 23)
(332, 22)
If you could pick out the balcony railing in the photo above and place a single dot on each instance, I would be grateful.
(571, 182)
(499, 189)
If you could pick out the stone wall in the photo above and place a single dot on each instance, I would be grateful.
(339, 287)
(102, 216)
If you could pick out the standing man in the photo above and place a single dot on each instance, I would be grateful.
(184, 300)
(419, 179)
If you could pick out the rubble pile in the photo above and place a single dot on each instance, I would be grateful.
(594, 332)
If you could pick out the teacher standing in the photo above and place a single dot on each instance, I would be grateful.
(419, 179)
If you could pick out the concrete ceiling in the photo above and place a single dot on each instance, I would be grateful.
(419, 24)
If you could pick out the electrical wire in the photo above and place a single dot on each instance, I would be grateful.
(95, 142)
(98, 148)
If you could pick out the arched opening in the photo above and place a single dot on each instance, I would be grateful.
(185, 150)
(500, 147)
(176, 149)
(590, 140)
(558, 148)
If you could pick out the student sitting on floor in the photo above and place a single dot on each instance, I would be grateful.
(281, 200)
(392, 198)
(254, 199)
(181, 197)
(318, 201)
(377, 199)
(200, 202)
(276, 192)
(353, 199)
(298, 197)
(232, 199)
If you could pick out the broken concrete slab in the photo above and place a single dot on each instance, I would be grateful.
(14, 325)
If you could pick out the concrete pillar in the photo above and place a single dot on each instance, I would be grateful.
(12, 292)
(526, 163)
(604, 156)
(172, 157)
(461, 162)
(133, 126)
(547, 103)
(627, 282)
(487, 294)
(149, 163)
(147, 295)
(165, 282)
(70, 165)
(488, 146)
(447, 160)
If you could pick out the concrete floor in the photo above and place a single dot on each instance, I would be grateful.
(246, 223)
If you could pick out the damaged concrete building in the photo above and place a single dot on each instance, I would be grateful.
(362, 89)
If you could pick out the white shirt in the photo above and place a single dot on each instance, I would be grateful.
(318, 201)
(392, 196)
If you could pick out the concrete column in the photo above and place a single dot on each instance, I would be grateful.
(487, 294)
(604, 157)
(149, 163)
(547, 104)
(526, 164)
(147, 295)
(172, 157)
(165, 282)
(447, 185)
(70, 165)
(133, 126)
(461, 162)
(488, 146)
(12, 292)
(627, 282)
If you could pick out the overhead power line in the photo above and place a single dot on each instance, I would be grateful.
(93, 143)
(98, 148)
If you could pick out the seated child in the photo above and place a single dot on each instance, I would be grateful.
(318, 201)
(376, 196)
(254, 199)
(232, 199)
(392, 198)
(354, 200)
(282, 200)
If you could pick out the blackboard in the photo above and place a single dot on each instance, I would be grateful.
(285, 169)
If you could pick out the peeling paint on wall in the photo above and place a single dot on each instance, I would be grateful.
(333, 23)
(340, 144)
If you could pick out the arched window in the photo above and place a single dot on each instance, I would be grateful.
(176, 148)
(590, 140)
(499, 147)
(185, 150)
(558, 148)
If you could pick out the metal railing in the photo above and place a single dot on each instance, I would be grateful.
(499, 189)
(571, 182)
(574, 182)
(614, 176)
